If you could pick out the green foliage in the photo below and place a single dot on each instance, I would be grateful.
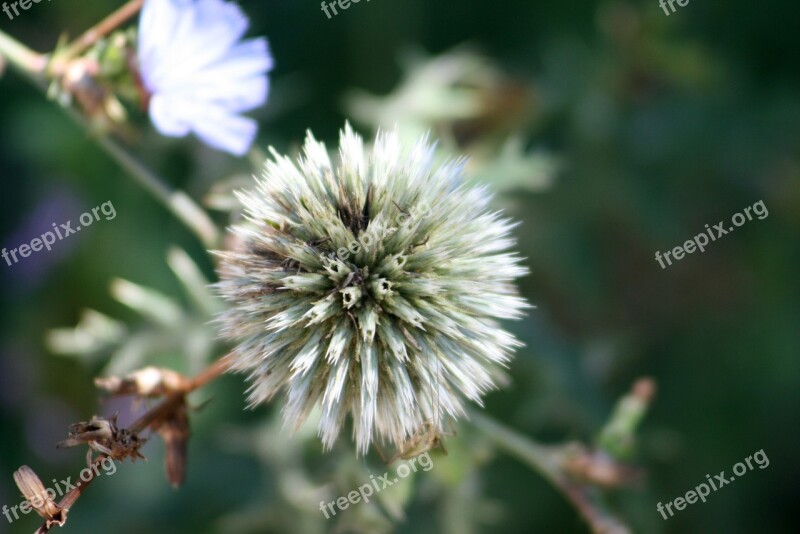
(626, 132)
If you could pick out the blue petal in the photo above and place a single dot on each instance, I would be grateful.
(199, 72)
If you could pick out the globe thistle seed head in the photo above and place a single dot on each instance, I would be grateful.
(372, 287)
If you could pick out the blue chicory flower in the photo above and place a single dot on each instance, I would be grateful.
(200, 74)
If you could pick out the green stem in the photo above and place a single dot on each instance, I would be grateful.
(542, 458)
(178, 202)
(93, 34)
(548, 460)
(20, 56)
(32, 65)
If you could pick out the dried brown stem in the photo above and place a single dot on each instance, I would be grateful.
(151, 419)
(175, 399)
(73, 494)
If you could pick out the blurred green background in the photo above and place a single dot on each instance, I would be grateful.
(660, 126)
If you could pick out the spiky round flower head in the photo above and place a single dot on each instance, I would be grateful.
(371, 288)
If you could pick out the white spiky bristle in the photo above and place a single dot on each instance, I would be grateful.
(398, 331)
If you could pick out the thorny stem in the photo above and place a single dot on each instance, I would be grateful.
(154, 415)
(93, 34)
(549, 462)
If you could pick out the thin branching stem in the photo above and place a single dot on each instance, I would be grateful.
(73, 494)
(152, 417)
(93, 34)
(20, 56)
(548, 461)
(186, 210)
(173, 400)
(176, 201)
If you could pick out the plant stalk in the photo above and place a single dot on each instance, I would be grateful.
(548, 460)
(93, 34)
(161, 411)
(20, 56)
(177, 202)
(32, 65)
(211, 373)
